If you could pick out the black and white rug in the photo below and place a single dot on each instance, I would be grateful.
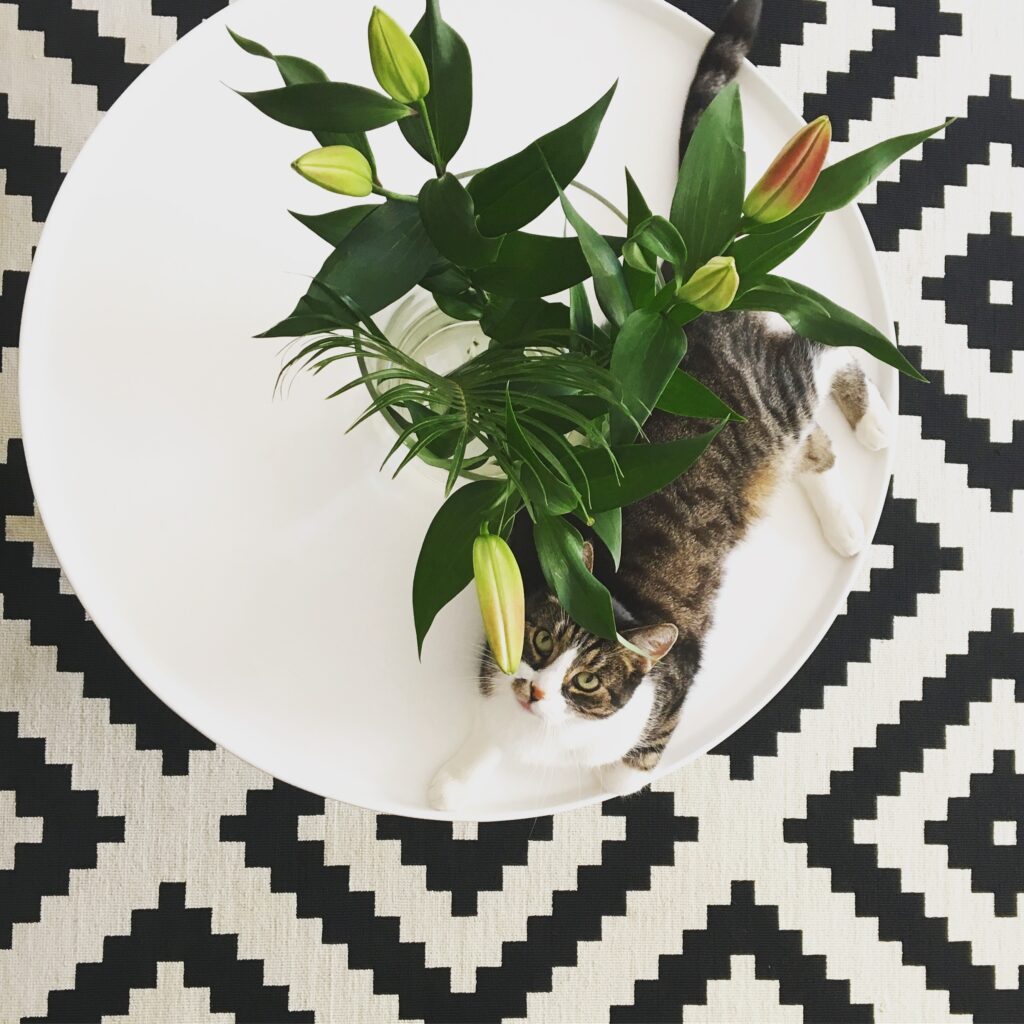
(855, 853)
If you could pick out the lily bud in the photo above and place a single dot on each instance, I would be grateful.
(792, 174)
(338, 169)
(713, 286)
(499, 588)
(397, 61)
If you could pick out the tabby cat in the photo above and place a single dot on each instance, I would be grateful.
(578, 699)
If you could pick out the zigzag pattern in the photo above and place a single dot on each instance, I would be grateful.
(854, 842)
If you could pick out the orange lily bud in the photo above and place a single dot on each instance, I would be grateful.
(792, 174)
(499, 588)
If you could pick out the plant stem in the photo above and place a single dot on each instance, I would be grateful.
(438, 162)
(388, 194)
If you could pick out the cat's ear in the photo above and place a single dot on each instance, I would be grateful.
(588, 555)
(654, 641)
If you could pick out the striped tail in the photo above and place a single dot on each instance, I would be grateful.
(720, 63)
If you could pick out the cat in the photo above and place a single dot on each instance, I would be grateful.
(578, 699)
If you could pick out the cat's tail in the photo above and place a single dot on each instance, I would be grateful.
(720, 63)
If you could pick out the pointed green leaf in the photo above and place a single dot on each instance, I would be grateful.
(814, 316)
(509, 194)
(445, 564)
(645, 468)
(646, 354)
(450, 100)
(708, 201)
(447, 212)
(587, 601)
(336, 226)
(510, 320)
(608, 527)
(758, 254)
(684, 395)
(328, 106)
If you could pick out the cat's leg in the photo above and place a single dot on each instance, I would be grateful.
(840, 522)
(633, 772)
(863, 407)
(453, 783)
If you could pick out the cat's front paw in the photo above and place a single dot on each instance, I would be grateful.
(620, 779)
(875, 429)
(446, 792)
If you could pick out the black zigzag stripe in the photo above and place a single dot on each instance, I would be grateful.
(741, 928)
(57, 620)
(998, 467)
(68, 32)
(782, 22)
(918, 563)
(997, 117)
(188, 13)
(173, 933)
(464, 867)
(269, 830)
(72, 828)
(12, 299)
(32, 170)
(894, 53)
(828, 832)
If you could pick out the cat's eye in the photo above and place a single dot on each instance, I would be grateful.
(587, 682)
(543, 641)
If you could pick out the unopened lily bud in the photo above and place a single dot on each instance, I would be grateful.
(499, 588)
(338, 169)
(713, 286)
(397, 61)
(792, 174)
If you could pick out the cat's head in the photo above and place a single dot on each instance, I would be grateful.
(569, 674)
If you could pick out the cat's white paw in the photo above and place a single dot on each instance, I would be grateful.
(446, 792)
(620, 779)
(844, 531)
(875, 429)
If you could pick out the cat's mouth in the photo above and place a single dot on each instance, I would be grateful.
(525, 705)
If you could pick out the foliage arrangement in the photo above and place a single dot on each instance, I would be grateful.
(555, 405)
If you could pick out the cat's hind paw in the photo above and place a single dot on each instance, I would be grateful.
(875, 429)
(844, 531)
(446, 792)
(620, 779)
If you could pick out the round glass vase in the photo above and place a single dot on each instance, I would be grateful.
(420, 329)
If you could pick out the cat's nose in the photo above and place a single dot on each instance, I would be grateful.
(536, 693)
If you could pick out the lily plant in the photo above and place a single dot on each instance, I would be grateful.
(555, 405)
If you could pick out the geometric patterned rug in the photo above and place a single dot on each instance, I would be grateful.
(854, 853)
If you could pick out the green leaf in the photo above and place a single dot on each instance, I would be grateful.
(641, 284)
(684, 395)
(548, 494)
(760, 253)
(560, 550)
(509, 320)
(843, 182)
(450, 100)
(608, 527)
(647, 353)
(328, 106)
(661, 239)
(336, 226)
(529, 266)
(814, 316)
(708, 201)
(298, 71)
(391, 235)
(469, 305)
(447, 212)
(609, 284)
(511, 193)
(445, 563)
(581, 320)
(645, 468)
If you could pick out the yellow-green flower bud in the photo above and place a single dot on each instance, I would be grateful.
(338, 169)
(499, 588)
(397, 61)
(713, 286)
